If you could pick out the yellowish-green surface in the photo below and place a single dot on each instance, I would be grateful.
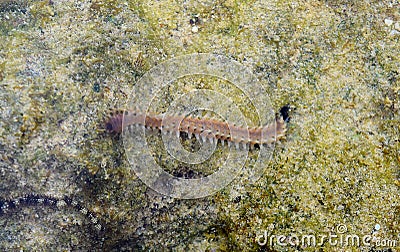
(63, 64)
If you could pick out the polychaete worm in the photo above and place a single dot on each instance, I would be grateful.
(202, 128)
(11, 205)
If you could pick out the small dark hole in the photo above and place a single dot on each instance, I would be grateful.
(109, 127)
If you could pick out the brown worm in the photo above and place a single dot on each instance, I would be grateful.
(204, 128)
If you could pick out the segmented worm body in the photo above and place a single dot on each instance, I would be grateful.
(204, 128)
(11, 205)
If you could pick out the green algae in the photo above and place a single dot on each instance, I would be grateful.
(335, 62)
